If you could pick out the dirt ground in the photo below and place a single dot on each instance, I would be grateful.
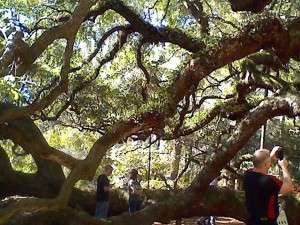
(219, 221)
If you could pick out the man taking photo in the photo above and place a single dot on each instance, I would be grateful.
(262, 189)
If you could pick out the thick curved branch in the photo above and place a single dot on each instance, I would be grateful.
(87, 168)
(26, 134)
(212, 204)
(65, 30)
(84, 169)
(265, 33)
(48, 172)
(266, 110)
(249, 5)
(217, 201)
(154, 34)
(253, 121)
(17, 112)
(40, 185)
(45, 183)
(70, 32)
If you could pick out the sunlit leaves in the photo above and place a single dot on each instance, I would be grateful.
(19, 161)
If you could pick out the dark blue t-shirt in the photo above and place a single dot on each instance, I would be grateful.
(102, 182)
(261, 193)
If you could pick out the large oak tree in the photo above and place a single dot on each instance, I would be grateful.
(104, 66)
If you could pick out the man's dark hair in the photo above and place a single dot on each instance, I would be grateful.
(133, 174)
(108, 167)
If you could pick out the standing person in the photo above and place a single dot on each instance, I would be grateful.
(262, 189)
(135, 192)
(103, 189)
(209, 220)
(214, 183)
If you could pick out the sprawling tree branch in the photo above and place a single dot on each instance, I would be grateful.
(45, 183)
(229, 50)
(249, 5)
(68, 30)
(65, 30)
(217, 201)
(18, 112)
(266, 110)
(87, 168)
(269, 33)
(26, 134)
(153, 34)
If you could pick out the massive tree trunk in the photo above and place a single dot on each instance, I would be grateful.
(217, 201)
(46, 183)
(178, 203)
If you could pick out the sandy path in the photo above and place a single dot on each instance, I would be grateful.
(219, 221)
